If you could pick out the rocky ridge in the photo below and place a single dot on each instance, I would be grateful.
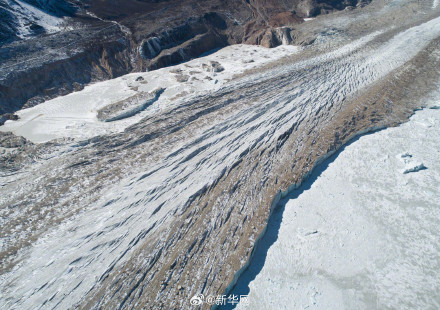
(98, 40)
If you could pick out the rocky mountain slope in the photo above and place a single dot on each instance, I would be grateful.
(51, 48)
(173, 205)
(29, 18)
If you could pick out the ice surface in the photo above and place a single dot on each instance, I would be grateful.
(27, 14)
(376, 242)
(74, 115)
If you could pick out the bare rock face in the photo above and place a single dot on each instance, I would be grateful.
(105, 39)
(284, 18)
(6, 117)
(9, 140)
(27, 86)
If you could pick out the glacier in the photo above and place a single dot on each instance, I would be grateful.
(358, 234)
(153, 209)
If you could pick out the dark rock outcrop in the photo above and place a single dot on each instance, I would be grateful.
(106, 39)
(14, 15)
(9, 140)
(7, 117)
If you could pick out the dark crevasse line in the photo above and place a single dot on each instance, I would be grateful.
(269, 235)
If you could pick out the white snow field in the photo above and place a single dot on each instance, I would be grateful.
(364, 235)
(74, 115)
(28, 14)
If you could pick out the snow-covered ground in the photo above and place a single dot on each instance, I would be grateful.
(27, 14)
(361, 234)
(74, 115)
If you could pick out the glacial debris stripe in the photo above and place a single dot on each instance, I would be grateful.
(172, 206)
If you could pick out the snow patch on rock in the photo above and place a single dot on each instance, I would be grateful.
(28, 15)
